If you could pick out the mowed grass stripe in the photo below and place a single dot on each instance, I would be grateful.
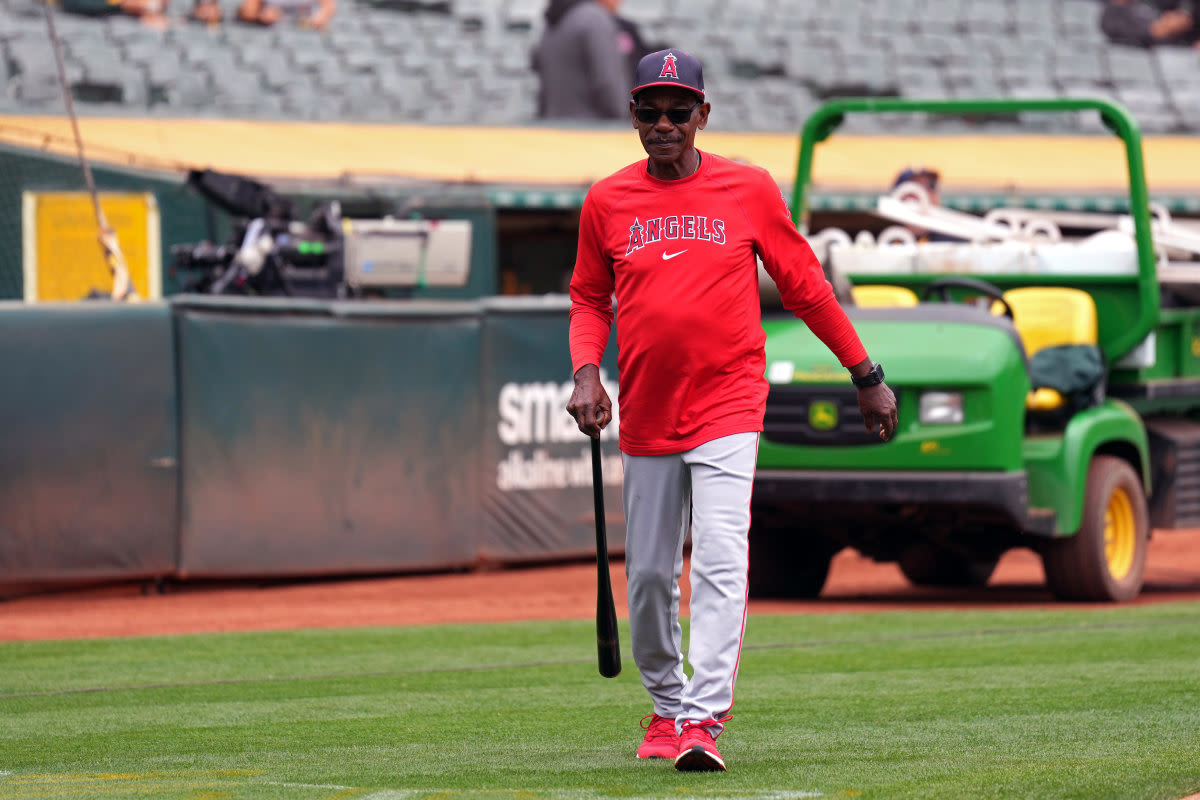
(1039, 630)
(1063, 703)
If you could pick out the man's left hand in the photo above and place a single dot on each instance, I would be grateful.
(878, 407)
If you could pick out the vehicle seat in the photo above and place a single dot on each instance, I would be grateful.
(1048, 316)
(882, 296)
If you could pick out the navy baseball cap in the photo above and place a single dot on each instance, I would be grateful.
(912, 173)
(669, 68)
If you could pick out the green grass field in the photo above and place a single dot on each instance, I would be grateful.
(1072, 703)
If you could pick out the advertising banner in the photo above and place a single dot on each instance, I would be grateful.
(537, 479)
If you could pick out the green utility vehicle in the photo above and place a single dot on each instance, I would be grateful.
(1047, 373)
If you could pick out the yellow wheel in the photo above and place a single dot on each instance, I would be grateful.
(1106, 558)
(1120, 534)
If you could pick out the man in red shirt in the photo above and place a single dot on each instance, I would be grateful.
(675, 238)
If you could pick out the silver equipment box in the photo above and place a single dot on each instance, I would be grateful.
(407, 252)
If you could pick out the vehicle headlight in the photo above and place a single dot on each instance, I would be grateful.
(941, 408)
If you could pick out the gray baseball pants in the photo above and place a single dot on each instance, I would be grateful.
(706, 489)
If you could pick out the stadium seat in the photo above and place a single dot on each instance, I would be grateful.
(1187, 102)
(967, 82)
(274, 71)
(128, 83)
(39, 92)
(1131, 66)
(479, 13)
(1177, 66)
(31, 55)
(1033, 15)
(524, 14)
(1027, 67)
(1079, 66)
(1152, 107)
(186, 90)
(993, 19)
(941, 16)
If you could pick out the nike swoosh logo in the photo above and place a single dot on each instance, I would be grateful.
(668, 256)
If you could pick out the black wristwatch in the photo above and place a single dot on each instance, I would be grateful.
(872, 378)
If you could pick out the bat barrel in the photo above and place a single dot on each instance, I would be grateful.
(608, 643)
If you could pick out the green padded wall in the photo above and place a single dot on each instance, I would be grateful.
(328, 437)
(88, 460)
(237, 437)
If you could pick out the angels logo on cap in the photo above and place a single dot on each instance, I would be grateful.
(669, 67)
(668, 70)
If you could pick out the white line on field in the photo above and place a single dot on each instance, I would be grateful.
(308, 785)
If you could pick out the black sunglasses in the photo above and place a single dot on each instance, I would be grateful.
(676, 116)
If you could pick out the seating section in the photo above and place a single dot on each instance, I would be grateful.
(768, 62)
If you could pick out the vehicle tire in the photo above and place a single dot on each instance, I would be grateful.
(926, 564)
(788, 563)
(1106, 559)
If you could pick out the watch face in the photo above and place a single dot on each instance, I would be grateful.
(872, 378)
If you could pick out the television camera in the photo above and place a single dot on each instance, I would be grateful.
(271, 252)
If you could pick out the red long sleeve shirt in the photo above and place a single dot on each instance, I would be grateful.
(680, 257)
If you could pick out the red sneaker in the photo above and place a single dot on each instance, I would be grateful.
(697, 749)
(660, 741)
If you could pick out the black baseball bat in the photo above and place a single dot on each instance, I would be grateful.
(608, 641)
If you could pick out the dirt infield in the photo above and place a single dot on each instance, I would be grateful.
(560, 592)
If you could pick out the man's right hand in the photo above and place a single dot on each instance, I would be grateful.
(589, 403)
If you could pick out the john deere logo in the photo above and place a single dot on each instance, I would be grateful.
(823, 415)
